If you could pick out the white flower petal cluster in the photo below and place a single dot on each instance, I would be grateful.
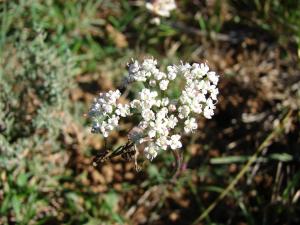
(200, 92)
(190, 125)
(105, 113)
(151, 151)
(161, 7)
(174, 141)
(163, 117)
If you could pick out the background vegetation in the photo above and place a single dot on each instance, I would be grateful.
(57, 55)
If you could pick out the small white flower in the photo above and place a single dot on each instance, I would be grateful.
(107, 108)
(196, 107)
(162, 142)
(185, 68)
(161, 114)
(174, 142)
(184, 111)
(165, 102)
(113, 96)
(213, 92)
(113, 121)
(148, 114)
(151, 151)
(140, 76)
(160, 127)
(172, 72)
(190, 125)
(158, 75)
(163, 85)
(149, 64)
(104, 129)
(172, 121)
(152, 133)
(187, 96)
(155, 21)
(152, 83)
(104, 133)
(208, 112)
(210, 103)
(200, 97)
(123, 110)
(172, 108)
(161, 7)
(148, 97)
(158, 103)
(203, 69)
(213, 77)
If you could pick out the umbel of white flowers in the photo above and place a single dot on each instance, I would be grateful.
(161, 7)
(163, 119)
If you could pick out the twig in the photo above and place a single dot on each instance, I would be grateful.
(256, 167)
(178, 155)
(213, 35)
(277, 183)
(263, 145)
(143, 199)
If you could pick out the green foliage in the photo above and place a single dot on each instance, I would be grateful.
(35, 76)
(34, 79)
(281, 17)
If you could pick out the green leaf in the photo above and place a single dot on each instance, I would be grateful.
(22, 179)
(229, 159)
(283, 157)
(16, 204)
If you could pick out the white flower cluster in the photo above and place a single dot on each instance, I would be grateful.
(200, 92)
(163, 118)
(161, 7)
(106, 113)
